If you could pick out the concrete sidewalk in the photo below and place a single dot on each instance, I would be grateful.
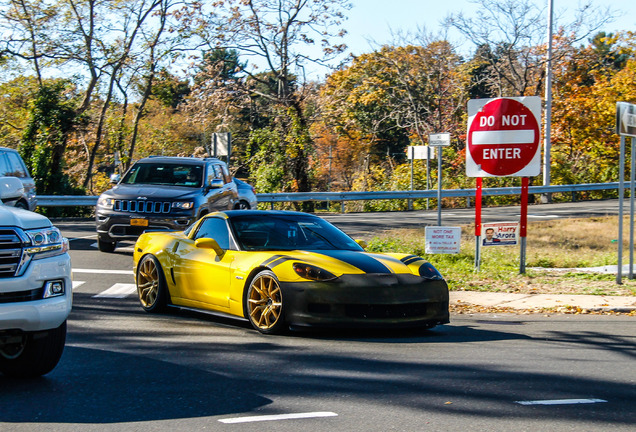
(544, 301)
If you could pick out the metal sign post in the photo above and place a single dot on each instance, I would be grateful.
(625, 127)
(478, 190)
(631, 210)
(523, 229)
(439, 140)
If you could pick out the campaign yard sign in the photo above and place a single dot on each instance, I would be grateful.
(500, 234)
(442, 240)
(504, 137)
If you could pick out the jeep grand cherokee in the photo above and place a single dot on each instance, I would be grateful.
(162, 193)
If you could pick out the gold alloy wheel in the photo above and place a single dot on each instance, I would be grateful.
(265, 301)
(148, 282)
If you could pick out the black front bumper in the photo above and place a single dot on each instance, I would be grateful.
(114, 227)
(367, 301)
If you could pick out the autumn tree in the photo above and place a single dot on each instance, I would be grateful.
(395, 96)
(510, 38)
(589, 80)
(280, 37)
(110, 45)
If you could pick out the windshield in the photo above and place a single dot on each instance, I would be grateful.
(165, 174)
(281, 232)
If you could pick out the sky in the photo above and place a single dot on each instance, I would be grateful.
(374, 20)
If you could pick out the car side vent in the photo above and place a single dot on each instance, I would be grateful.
(10, 252)
(139, 206)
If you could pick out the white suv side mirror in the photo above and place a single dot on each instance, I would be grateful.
(10, 188)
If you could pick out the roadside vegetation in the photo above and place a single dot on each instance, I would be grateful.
(88, 87)
(554, 249)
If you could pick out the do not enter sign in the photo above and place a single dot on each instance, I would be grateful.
(504, 137)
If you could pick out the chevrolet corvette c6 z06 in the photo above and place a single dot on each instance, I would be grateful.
(280, 269)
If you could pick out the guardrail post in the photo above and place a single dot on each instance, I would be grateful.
(342, 206)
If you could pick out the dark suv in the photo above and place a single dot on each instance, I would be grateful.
(162, 193)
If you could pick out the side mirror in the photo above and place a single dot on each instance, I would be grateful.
(115, 178)
(10, 188)
(216, 183)
(209, 243)
(362, 244)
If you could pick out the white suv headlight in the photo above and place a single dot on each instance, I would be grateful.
(46, 242)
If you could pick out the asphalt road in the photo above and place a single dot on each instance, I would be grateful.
(126, 370)
(368, 224)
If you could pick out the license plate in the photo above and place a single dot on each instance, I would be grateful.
(139, 222)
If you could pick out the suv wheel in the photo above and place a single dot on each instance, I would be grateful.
(34, 355)
(106, 246)
(242, 205)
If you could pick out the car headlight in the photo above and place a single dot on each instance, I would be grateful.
(428, 271)
(185, 205)
(106, 202)
(310, 272)
(46, 242)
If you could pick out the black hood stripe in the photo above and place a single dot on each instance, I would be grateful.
(411, 259)
(362, 261)
(275, 260)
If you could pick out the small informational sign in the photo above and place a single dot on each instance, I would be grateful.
(439, 140)
(221, 144)
(500, 234)
(443, 240)
(626, 119)
(420, 152)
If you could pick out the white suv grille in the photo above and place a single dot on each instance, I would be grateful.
(10, 252)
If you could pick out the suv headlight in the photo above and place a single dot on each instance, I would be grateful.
(40, 243)
(183, 205)
(106, 202)
(46, 242)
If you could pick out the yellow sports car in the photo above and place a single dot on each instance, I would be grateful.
(282, 269)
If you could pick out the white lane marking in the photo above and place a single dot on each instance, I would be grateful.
(98, 271)
(277, 417)
(83, 237)
(561, 402)
(119, 248)
(540, 216)
(118, 290)
(77, 284)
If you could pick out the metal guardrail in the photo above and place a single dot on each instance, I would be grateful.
(75, 201)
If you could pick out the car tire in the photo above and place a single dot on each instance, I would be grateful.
(106, 246)
(264, 304)
(243, 205)
(151, 285)
(35, 355)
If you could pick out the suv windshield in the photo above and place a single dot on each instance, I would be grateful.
(165, 174)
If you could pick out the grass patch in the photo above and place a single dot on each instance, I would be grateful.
(559, 244)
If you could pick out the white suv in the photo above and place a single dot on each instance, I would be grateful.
(35, 289)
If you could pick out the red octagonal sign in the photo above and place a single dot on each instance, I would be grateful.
(504, 137)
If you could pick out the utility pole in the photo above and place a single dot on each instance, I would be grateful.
(548, 107)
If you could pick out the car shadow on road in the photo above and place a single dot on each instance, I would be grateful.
(123, 248)
(98, 386)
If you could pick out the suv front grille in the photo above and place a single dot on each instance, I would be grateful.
(10, 252)
(134, 206)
